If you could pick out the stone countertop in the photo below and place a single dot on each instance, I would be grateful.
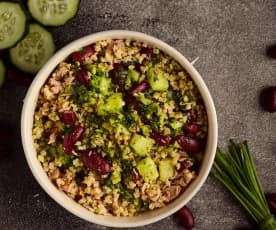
(230, 38)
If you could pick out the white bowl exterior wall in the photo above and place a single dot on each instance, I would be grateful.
(61, 198)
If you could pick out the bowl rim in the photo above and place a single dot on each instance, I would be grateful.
(61, 198)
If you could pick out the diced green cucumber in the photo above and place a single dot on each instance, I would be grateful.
(141, 145)
(141, 97)
(132, 76)
(121, 131)
(146, 130)
(58, 152)
(13, 23)
(113, 104)
(152, 108)
(53, 12)
(157, 80)
(175, 124)
(2, 73)
(101, 84)
(166, 169)
(31, 53)
(147, 169)
(105, 85)
(115, 177)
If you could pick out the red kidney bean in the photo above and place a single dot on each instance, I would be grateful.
(193, 129)
(68, 144)
(118, 66)
(83, 54)
(19, 77)
(159, 138)
(78, 131)
(192, 118)
(122, 142)
(118, 75)
(189, 144)
(69, 117)
(83, 77)
(135, 175)
(139, 87)
(271, 51)
(185, 165)
(70, 140)
(96, 162)
(271, 200)
(268, 99)
(186, 218)
(131, 101)
(148, 51)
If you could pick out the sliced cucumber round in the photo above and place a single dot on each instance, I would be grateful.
(13, 24)
(31, 53)
(53, 12)
(2, 73)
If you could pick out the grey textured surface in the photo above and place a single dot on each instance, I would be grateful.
(230, 37)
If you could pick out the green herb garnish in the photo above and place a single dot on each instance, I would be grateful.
(236, 171)
(80, 94)
(126, 193)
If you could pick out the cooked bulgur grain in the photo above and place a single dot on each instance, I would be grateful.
(112, 128)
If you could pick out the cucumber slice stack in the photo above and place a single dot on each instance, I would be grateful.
(30, 45)
(54, 12)
(31, 53)
(13, 24)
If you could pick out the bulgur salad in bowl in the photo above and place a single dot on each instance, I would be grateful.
(119, 127)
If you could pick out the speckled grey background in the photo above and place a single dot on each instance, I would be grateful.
(230, 37)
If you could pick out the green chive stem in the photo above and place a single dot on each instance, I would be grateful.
(235, 170)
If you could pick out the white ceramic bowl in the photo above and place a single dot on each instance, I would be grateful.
(64, 200)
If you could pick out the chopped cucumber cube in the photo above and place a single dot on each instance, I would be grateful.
(113, 104)
(141, 97)
(115, 177)
(157, 80)
(147, 169)
(146, 130)
(133, 74)
(101, 84)
(175, 124)
(141, 145)
(166, 169)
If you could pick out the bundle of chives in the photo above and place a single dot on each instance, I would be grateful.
(236, 171)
